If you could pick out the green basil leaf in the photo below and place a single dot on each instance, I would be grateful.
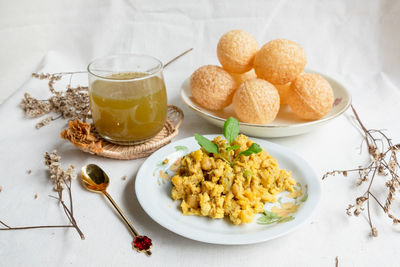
(206, 144)
(232, 148)
(231, 129)
(253, 149)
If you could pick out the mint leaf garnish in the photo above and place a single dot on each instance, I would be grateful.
(231, 129)
(206, 144)
(232, 148)
(253, 149)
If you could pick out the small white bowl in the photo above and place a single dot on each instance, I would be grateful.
(286, 122)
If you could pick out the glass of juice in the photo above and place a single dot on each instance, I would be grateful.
(128, 99)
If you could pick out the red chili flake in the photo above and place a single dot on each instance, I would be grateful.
(142, 243)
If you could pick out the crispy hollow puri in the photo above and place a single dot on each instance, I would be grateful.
(279, 61)
(256, 101)
(236, 50)
(212, 87)
(284, 91)
(240, 78)
(311, 96)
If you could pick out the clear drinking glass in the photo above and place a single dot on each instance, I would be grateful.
(128, 99)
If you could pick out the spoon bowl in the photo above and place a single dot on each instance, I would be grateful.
(94, 178)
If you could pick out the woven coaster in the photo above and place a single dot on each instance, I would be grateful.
(164, 137)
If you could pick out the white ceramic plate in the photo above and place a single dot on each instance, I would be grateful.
(153, 193)
(285, 124)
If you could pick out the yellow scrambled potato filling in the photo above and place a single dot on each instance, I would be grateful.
(213, 187)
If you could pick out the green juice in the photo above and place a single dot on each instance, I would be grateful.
(126, 111)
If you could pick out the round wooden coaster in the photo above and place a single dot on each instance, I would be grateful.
(164, 137)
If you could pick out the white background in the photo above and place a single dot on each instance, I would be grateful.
(356, 41)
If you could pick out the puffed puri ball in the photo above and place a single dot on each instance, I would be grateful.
(284, 91)
(256, 101)
(311, 96)
(280, 61)
(212, 87)
(240, 78)
(236, 50)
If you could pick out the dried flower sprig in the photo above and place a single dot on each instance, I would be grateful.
(72, 103)
(383, 162)
(62, 180)
(81, 135)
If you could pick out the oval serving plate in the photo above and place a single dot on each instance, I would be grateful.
(153, 191)
(285, 124)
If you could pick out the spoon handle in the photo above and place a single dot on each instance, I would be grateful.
(131, 228)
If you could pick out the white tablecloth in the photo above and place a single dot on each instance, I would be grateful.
(356, 41)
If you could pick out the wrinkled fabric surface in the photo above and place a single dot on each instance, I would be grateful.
(355, 41)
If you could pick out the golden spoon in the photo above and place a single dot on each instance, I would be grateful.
(96, 180)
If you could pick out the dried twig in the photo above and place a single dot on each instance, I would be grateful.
(62, 179)
(33, 227)
(383, 162)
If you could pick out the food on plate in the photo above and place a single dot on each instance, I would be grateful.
(212, 87)
(284, 91)
(256, 101)
(258, 81)
(236, 50)
(240, 78)
(280, 61)
(233, 177)
(311, 96)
